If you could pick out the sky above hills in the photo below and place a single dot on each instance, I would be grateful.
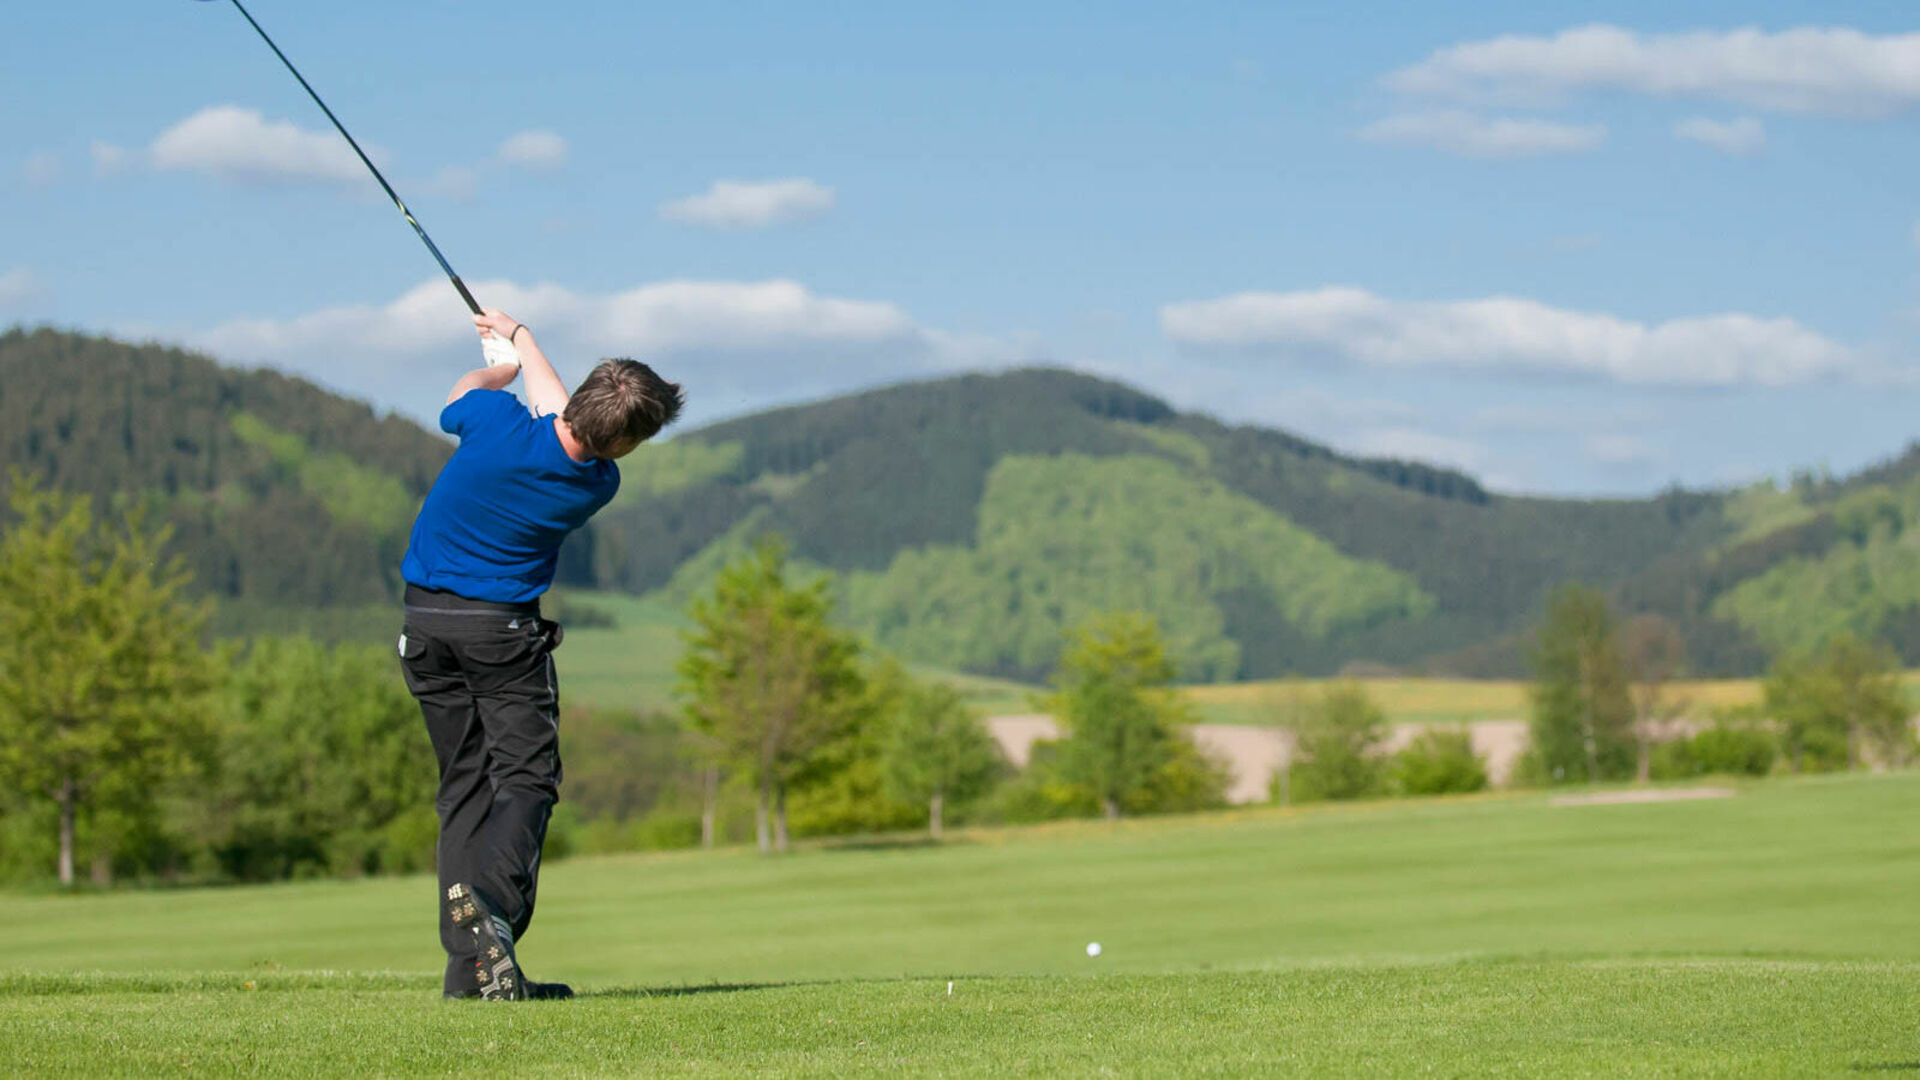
(1590, 248)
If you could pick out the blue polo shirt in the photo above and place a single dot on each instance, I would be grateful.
(492, 525)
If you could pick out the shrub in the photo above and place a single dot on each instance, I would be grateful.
(1439, 762)
(1039, 793)
(1334, 743)
(1725, 749)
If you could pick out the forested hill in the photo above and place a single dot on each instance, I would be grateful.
(969, 520)
(285, 499)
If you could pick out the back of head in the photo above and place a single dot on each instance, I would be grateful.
(621, 404)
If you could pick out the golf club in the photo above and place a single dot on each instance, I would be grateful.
(458, 285)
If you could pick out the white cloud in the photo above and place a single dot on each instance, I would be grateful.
(240, 145)
(535, 151)
(20, 286)
(1350, 325)
(739, 204)
(1743, 135)
(1831, 70)
(107, 158)
(41, 168)
(1459, 132)
(663, 317)
(754, 343)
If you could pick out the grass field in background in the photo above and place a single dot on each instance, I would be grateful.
(631, 663)
(1430, 701)
(1773, 933)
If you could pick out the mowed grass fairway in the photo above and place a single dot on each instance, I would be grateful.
(1775, 933)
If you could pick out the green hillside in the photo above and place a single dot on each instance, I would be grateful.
(289, 503)
(969, 520)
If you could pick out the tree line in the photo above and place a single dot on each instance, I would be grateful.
(135, 745)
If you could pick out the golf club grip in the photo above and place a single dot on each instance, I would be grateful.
(461, 286)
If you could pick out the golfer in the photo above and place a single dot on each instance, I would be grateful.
(477, 654)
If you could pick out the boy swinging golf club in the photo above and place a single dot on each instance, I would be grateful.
(475, 651)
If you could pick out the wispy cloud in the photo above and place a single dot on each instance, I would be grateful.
(1469, 134)
(740, 204)
(20, 286)
(535, 151)
(240, 145)
(41, 168)
(756, 342)
(108, 159)
(1347, 325)
(1741, 136)
(1830, 70)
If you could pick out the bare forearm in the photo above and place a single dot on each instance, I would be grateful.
(545, 392)
(486, 378)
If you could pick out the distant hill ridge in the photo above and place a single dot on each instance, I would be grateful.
(968, 520)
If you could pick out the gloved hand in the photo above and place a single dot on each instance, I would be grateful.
(498, 351)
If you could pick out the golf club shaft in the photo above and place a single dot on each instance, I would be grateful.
(458, 285)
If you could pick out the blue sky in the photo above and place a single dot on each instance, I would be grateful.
(1573, 249)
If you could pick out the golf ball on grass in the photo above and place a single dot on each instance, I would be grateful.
(1093, 948)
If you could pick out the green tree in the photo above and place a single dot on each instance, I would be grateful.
(937, 750)
(102, 674)
(1582, 723)
(768, 679)
(1439, 762)
(845, 790)
(324, 766)
(1835, 706)
(1122, 720)
(1335, 740)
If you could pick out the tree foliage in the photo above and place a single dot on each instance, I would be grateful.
(1582, 719)
(1840, 706)
(102, 675)
(1061, 538)
(324, 767)
(937, 752)
(769, 679)
(1335, 742)
(1438, 762)
(1123, 724)
(277, 494)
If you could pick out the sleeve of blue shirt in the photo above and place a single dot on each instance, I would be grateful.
(478, 410)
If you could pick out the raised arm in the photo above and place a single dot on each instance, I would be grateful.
(545, 392)
(486, 378)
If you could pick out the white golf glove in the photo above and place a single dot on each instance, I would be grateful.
(499, 350)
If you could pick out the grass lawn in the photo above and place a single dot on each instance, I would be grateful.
(1775, 933)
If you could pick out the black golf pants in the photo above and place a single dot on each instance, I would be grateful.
(483, 674)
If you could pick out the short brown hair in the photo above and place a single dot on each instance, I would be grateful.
(621, 401)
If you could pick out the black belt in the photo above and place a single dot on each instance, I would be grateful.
(441, 602)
